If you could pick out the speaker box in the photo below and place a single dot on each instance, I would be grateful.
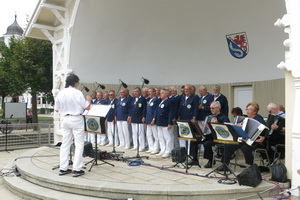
(250, 176)
(88, 149)
(178, 154)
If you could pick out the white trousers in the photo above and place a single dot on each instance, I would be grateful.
(166, 139)
(87, 137)
(101, 139)
(138, 132)
(123, 133)
(152, 138)
(72, 128)
(111, 133)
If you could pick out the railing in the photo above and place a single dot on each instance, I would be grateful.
(16, 136)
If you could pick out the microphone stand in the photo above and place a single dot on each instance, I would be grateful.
(118, 90)
(96, 88)
(115, 154)
(122, 84)
(145, 81)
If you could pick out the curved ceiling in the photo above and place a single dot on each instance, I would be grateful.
(175, 41)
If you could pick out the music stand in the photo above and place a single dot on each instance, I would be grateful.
(95, 123)
(224, 134)
(188, 131)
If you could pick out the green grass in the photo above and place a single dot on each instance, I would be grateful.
(45, 117)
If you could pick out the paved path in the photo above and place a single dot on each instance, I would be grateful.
(5, 158)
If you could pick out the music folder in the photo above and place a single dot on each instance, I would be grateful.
(224, 133)
(189, 129)
(95, 118)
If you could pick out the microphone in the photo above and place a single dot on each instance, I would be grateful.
(124, 84)
(146, 81)
(85, 88)
(101, 86)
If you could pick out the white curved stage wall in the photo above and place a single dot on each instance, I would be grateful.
(175, 41)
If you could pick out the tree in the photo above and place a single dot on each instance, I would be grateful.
(33, 58)
(11, 80)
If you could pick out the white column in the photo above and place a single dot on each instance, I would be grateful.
(295, 158)
(291, 24)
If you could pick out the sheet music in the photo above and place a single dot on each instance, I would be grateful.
(238, 119)
(205, 129)
(97, 110)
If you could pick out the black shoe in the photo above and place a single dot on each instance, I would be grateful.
(218, 156)
(193, 162)
(77, 173)
(63, 172)
(209, 164)
(222, 168)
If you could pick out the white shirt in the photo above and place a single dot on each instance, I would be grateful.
(70, 101)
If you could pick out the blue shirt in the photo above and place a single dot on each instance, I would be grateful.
(137, 109)
(188, 108)
(123, 108)
(111, 113)
(205, 102)
(151, 109)
(164, 113)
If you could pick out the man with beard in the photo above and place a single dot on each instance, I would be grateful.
(222, 99)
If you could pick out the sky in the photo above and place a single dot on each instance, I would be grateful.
(8, 9)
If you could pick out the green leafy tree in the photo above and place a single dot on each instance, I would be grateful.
(12, 83)
(33, 58)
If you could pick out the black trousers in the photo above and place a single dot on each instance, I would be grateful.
(229, 149)
(194, 150)
(208, 143)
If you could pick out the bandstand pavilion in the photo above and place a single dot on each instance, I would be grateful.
(173, 42)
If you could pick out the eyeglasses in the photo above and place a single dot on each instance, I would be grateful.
(111, 94)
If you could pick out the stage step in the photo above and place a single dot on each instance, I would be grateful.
(38, 181)
(28, 190)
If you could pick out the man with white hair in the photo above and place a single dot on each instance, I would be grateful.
(164, 121)
(151, 133)
(222, 99)
(145, 93)
(137, 116)
(110, 118)
(218, 117)
(276, 124)
(204, 105)
(187, 110)
(122, 113)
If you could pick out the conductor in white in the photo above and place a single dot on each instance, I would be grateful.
(70, 103)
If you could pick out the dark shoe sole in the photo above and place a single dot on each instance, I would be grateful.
(61, 173)
(76, 174)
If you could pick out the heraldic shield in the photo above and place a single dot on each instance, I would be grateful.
(238, 44)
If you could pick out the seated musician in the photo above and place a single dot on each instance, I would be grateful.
(252, 112)
(208, 142)
(276, 124)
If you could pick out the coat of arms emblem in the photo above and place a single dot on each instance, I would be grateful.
(238, 44)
